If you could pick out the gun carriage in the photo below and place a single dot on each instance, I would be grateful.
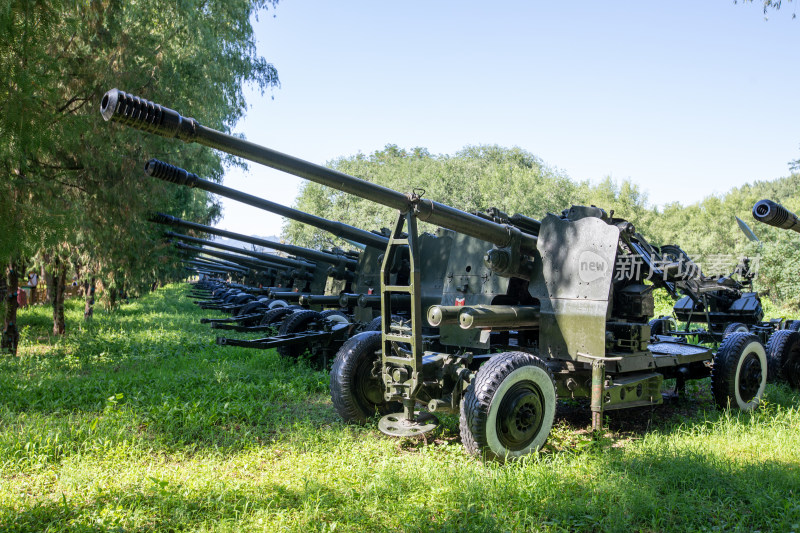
(323, 331)
(563, 319)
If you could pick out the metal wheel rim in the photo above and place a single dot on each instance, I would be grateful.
(750, 377)
(368, 387)
(520, 415)
(791, 371)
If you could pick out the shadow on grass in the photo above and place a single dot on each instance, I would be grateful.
(656, 491)
(156, 372)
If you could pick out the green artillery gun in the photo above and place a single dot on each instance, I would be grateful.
(249, 262)
(573, 320)
(366, 272)
(305, 276)
(360, 301)
(205, 288)
(783, 348)
(294, 271)
(253, 317)
(203, 266)
(714, 306)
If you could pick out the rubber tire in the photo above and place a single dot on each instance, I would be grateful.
(783, 357)
(794, 325)
(735, 327)
(485, 395)
(374, 324)
(242, 298)
(274, 315)
(356, 394)
(295, 323)
(727, 371)
(248, 308)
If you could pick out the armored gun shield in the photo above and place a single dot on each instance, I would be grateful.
(572, 281)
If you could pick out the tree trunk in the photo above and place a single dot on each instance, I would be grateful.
(112, 298)
(10, 338)
(59, 280)
(89, 288)
(48, 281)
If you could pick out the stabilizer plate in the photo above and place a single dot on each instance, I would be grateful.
(396, 426)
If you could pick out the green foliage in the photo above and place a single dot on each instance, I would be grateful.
(71, 184)
(140, 422)
(708, 229)
(475, 178)
(515, 181)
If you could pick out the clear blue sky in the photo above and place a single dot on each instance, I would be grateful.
(685, 98)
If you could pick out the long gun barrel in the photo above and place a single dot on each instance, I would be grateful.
(249, 262)
(314, 255)
(153, 118)
(268, 258)
(218, 266)
(219, 263)
(775, 214)
(164, 171)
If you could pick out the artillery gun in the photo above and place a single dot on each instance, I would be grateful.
(722, 304)
(265, 313)
(305, 276)
(783, 348)
(234, 296)
(343, 269)
(365, 266)
(359, 301)
(571, 323)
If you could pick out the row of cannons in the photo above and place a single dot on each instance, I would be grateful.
(493, 317)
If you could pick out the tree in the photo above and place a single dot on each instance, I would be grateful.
(71, 184)
(475, 178)
(768, 5)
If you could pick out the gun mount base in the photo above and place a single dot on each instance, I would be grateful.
(396, 425)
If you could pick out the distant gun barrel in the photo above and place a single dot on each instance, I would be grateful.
(249, 262)
(307, 253)
(148, 116)
(171, 173)
(269, 258)
(220, 263)
(217, 266)
(775, 214)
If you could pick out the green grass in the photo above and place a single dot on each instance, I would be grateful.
(139, 422)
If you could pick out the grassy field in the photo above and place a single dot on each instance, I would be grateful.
(139, 422)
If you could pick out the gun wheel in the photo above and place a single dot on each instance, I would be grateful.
(739, 376)
(375, 323)
(295, 323)
(735, 327)
(783, 357)
(334, 316)
(356, 387)
(252, 307)
(508, 409)
(273, 315)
